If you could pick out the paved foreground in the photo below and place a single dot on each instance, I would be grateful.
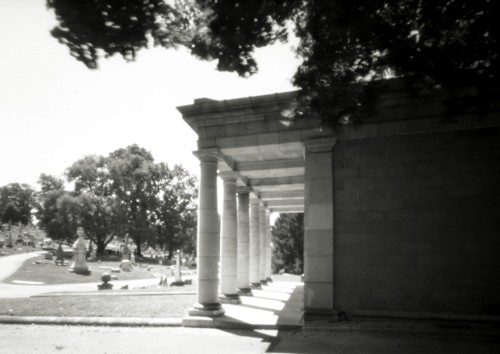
(278, 305)
(16, 339)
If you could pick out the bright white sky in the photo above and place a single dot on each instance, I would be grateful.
(54, 111)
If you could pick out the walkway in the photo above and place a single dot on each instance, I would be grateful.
(278, 305)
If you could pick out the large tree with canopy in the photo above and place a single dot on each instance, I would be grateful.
(344, 43)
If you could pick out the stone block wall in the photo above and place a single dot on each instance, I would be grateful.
(417, 222)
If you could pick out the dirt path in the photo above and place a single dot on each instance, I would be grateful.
(9, 264)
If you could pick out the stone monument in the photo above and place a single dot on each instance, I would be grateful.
(79, 265)
(125, 265)
(9, 240)
(59, 256)
(93, 253)
(106, 285)
(177, 275)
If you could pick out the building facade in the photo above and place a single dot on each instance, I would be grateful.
(402, 210)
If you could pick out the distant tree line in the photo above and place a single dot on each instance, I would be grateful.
(124, 193)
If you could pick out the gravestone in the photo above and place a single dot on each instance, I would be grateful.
(125, 265)
(9, 240)
(93, 254)
(177, 275)
(59, 256)
(79, 265)
(48, 256)
(125, 252)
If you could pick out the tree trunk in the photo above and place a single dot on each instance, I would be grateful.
(139, 248)
(100, 247)
(170, 250)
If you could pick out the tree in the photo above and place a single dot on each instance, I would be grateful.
(51, 189)
(344, 43)
(176, 209)
(133, 173)
(108, 27)
(100, 217)
(16, 202)
(123, 193)
(93, 204)
(288, 244)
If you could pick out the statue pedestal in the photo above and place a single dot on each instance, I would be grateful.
(125, 265)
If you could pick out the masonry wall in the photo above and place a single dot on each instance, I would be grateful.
(417, 222)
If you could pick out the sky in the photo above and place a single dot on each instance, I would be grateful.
(54, 111)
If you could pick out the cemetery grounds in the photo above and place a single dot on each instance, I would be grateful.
(159, 300)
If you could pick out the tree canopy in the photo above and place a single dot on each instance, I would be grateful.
(441, 43)
(288, 244)
(16, 202)
(123, 193)
(48, 214)
(176, 209)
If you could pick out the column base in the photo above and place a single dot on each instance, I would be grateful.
(245, 292)
(255, 286)
(207, 310)
(269, 280)
(263, 281)
(320, 315)
(229, 299)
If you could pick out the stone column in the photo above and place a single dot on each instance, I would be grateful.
(208, 238)
(262, 244)
(243, 252)
(267, 267)
(228, 264)
(254, 243)
(318, 229)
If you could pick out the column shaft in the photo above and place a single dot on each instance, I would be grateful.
(254, 242)
(208, 238)
(267, 267)
(243, 252)
(262, 244)
(228, 264)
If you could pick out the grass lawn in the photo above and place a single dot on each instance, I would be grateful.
(157, 306)
(40, 270)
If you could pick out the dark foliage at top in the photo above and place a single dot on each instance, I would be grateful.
(440, 43)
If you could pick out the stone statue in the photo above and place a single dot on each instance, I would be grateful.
(80, 252)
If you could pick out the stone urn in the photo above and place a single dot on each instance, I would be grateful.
(105, 277)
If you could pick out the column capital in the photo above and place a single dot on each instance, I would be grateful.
(228, 176)
(243, 189)
(254, 201)
(207, 155)
(320, 145)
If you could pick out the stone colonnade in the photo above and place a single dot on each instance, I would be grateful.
(244, 246)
